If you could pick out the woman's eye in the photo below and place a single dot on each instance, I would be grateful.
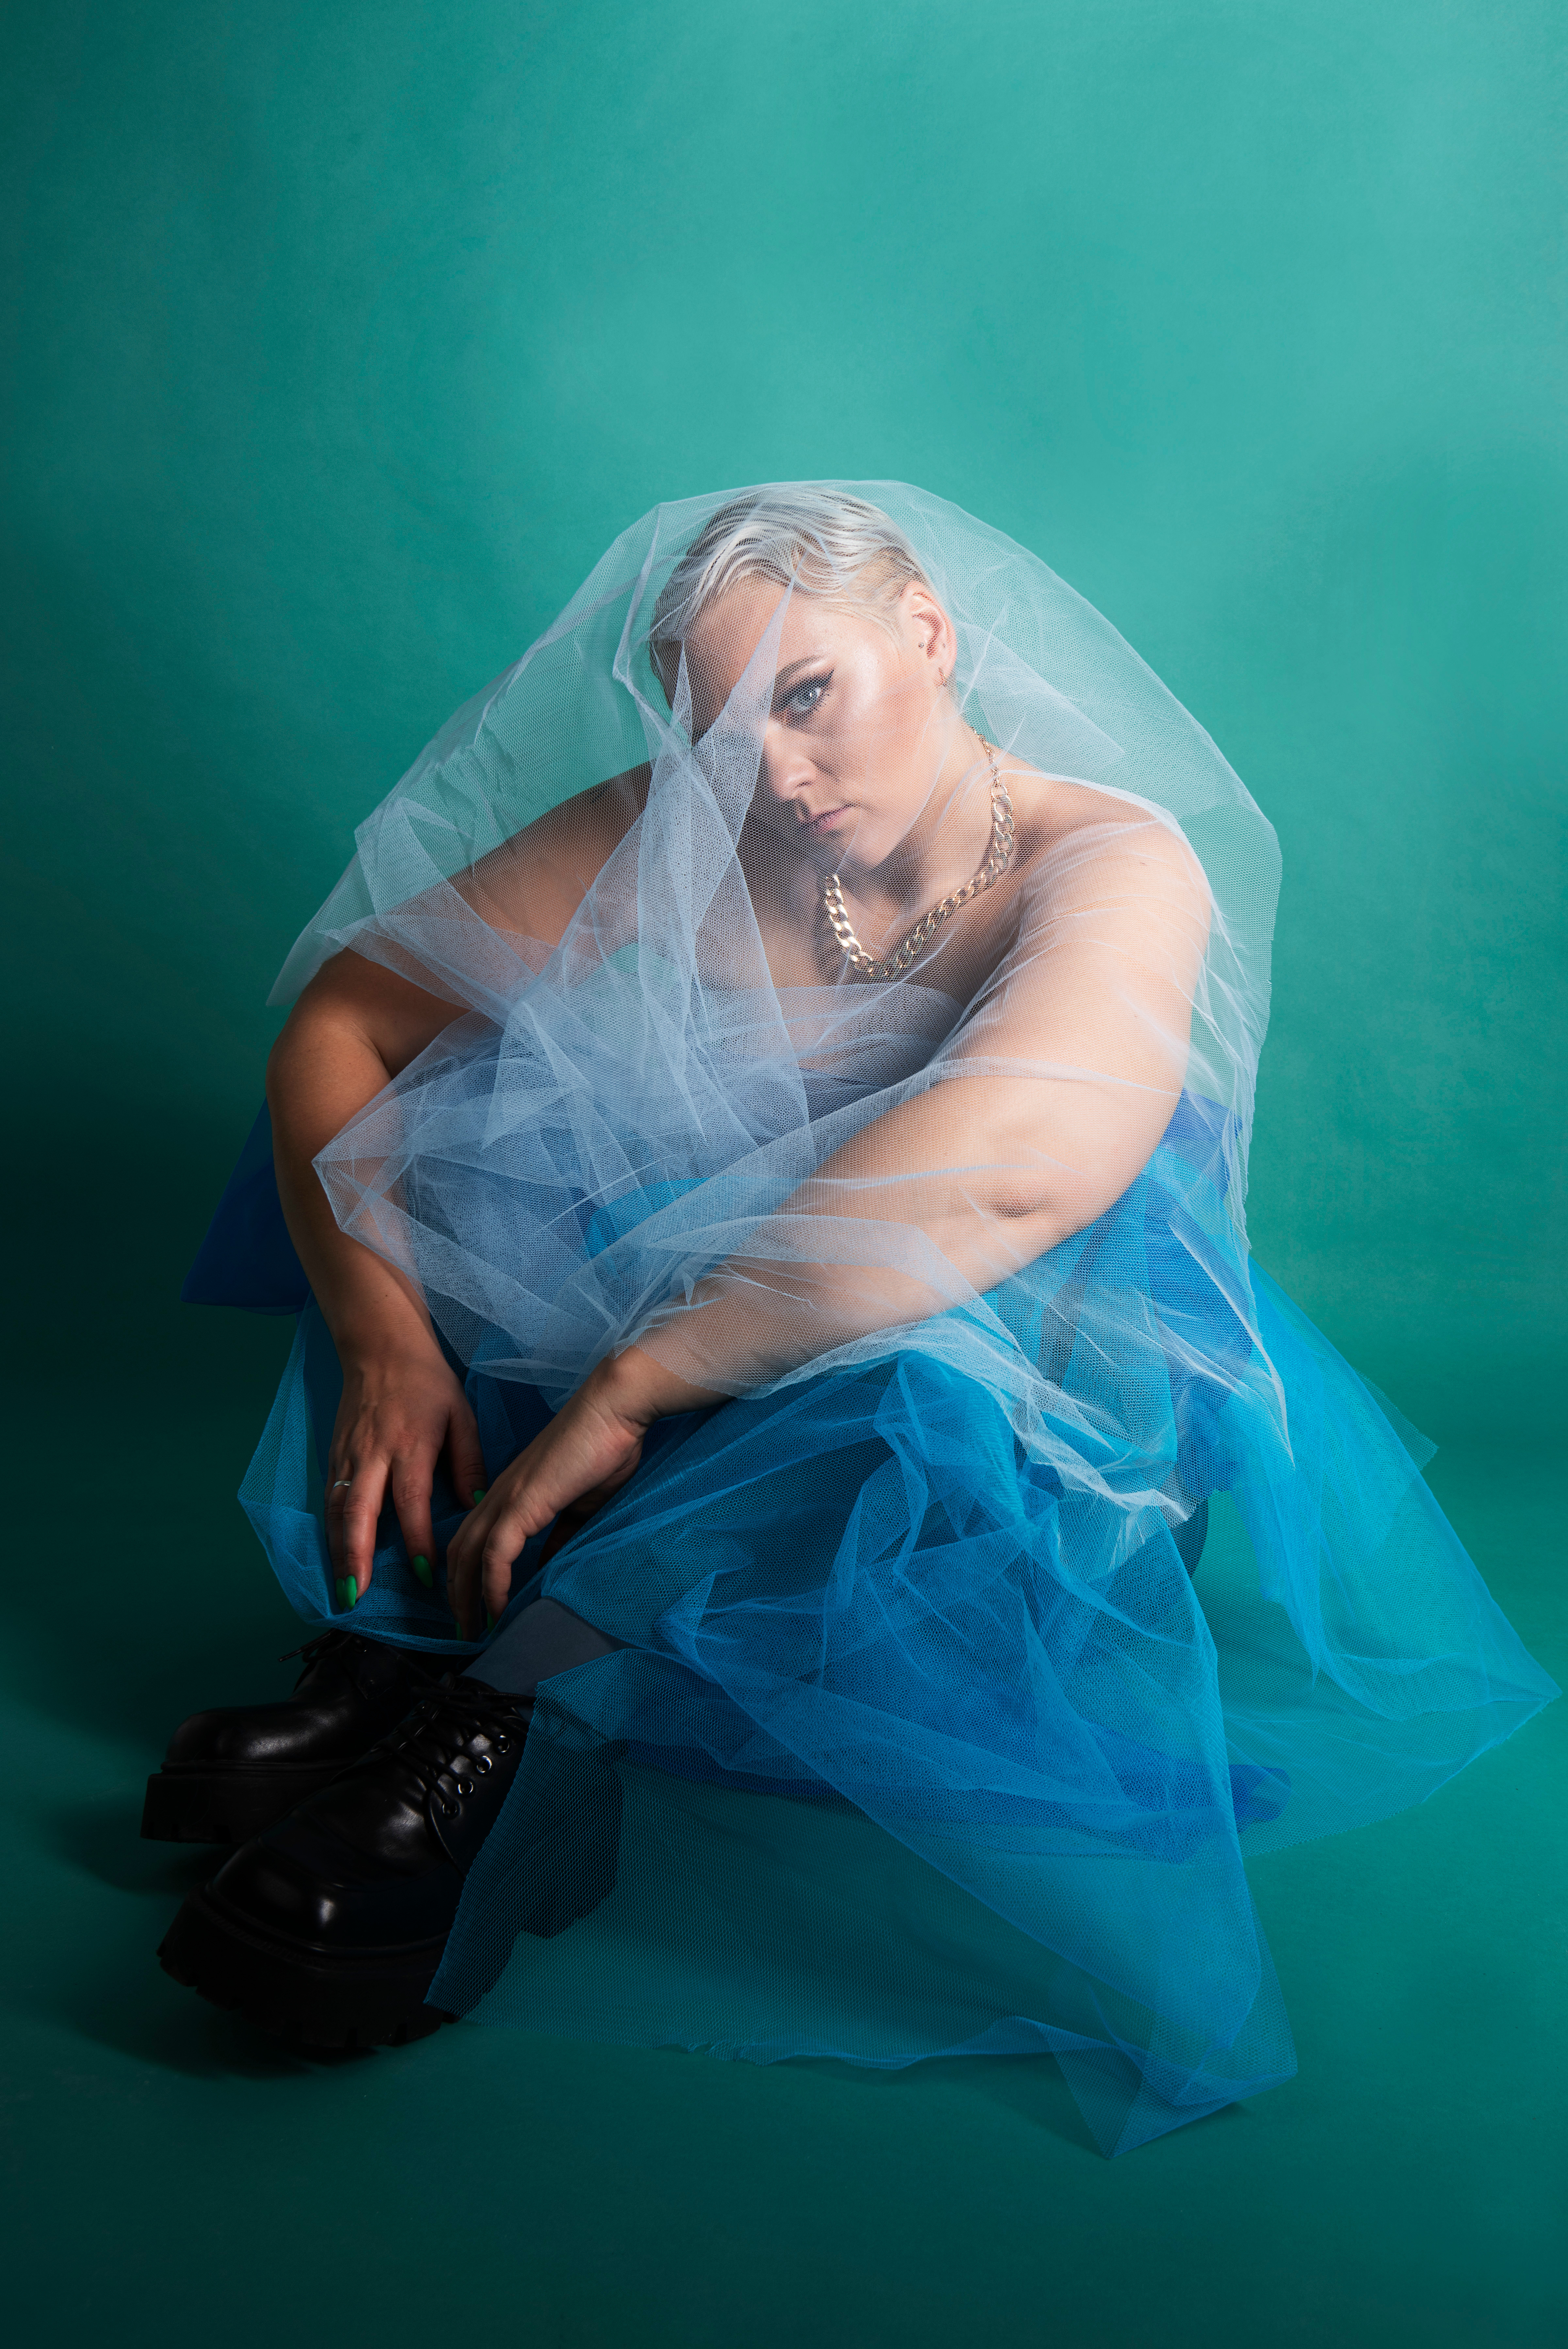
(805, 698)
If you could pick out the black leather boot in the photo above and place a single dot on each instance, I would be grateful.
(329, 1928)
(230, 1773)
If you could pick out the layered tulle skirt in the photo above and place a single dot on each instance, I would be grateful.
(948, 1710)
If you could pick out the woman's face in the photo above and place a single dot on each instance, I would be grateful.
(860, 728)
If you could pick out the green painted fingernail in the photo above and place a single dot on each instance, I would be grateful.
(423, 1568)
(347, 1590)
(479, 1492)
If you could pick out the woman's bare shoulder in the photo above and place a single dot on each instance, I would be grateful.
(580, 834)
(1064, 824)
(535, 881)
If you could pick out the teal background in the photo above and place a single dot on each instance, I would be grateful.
(338, 343)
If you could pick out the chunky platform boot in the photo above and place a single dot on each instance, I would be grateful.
(230, 1773)
(329, 1928)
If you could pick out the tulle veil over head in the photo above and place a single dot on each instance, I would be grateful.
(686, 1060)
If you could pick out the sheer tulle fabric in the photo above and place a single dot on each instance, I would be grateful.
(1008, 1603)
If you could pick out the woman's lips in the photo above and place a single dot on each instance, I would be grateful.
(817, 824)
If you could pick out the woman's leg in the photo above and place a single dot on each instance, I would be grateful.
(539, 1641)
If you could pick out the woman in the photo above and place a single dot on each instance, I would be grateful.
(774, 1269)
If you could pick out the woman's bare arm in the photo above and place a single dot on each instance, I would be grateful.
(356, 1027)
(353, 1029)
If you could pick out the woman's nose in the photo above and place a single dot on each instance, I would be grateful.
(786, 770)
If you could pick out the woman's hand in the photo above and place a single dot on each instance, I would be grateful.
(587, 1453)
(401, 1409)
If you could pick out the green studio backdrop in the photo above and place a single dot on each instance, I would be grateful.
(339, 342)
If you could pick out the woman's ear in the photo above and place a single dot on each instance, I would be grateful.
(930, 630)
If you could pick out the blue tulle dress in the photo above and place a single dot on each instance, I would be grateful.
(964, 1665)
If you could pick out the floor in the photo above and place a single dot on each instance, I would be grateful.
(170, 2173)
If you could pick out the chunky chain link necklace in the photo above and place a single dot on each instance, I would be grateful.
(893, 965)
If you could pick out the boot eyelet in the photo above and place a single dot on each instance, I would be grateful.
(464, 1787)
(482, 1764)
(502, 1745)
(448, 1810)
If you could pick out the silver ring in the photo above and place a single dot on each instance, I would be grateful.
(343, 1484)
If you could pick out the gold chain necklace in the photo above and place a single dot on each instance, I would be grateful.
(998, 857)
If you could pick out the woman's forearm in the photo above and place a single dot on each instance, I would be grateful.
(755, 1320)
(933, 1203)
(322, 1072)
(355, 1028)
(906, 1240)
(759, 1317)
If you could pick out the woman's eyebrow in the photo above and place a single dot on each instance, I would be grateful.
(782, 675)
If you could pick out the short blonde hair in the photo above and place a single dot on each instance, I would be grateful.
(820, 540)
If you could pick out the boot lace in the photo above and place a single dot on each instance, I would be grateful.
(434, 1742)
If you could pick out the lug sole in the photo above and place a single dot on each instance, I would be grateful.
(310, 1998)
(225, 1805)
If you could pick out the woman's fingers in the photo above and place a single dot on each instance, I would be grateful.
(470, 1478)
(361, 1515)
(398, 1413)
(411, 1478)
(363, 1479)
(338, 1488)
(464, 1456)
(585, 1454)
(481, 1556)
(506, 1537)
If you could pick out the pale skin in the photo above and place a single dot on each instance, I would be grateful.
(867, 769)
